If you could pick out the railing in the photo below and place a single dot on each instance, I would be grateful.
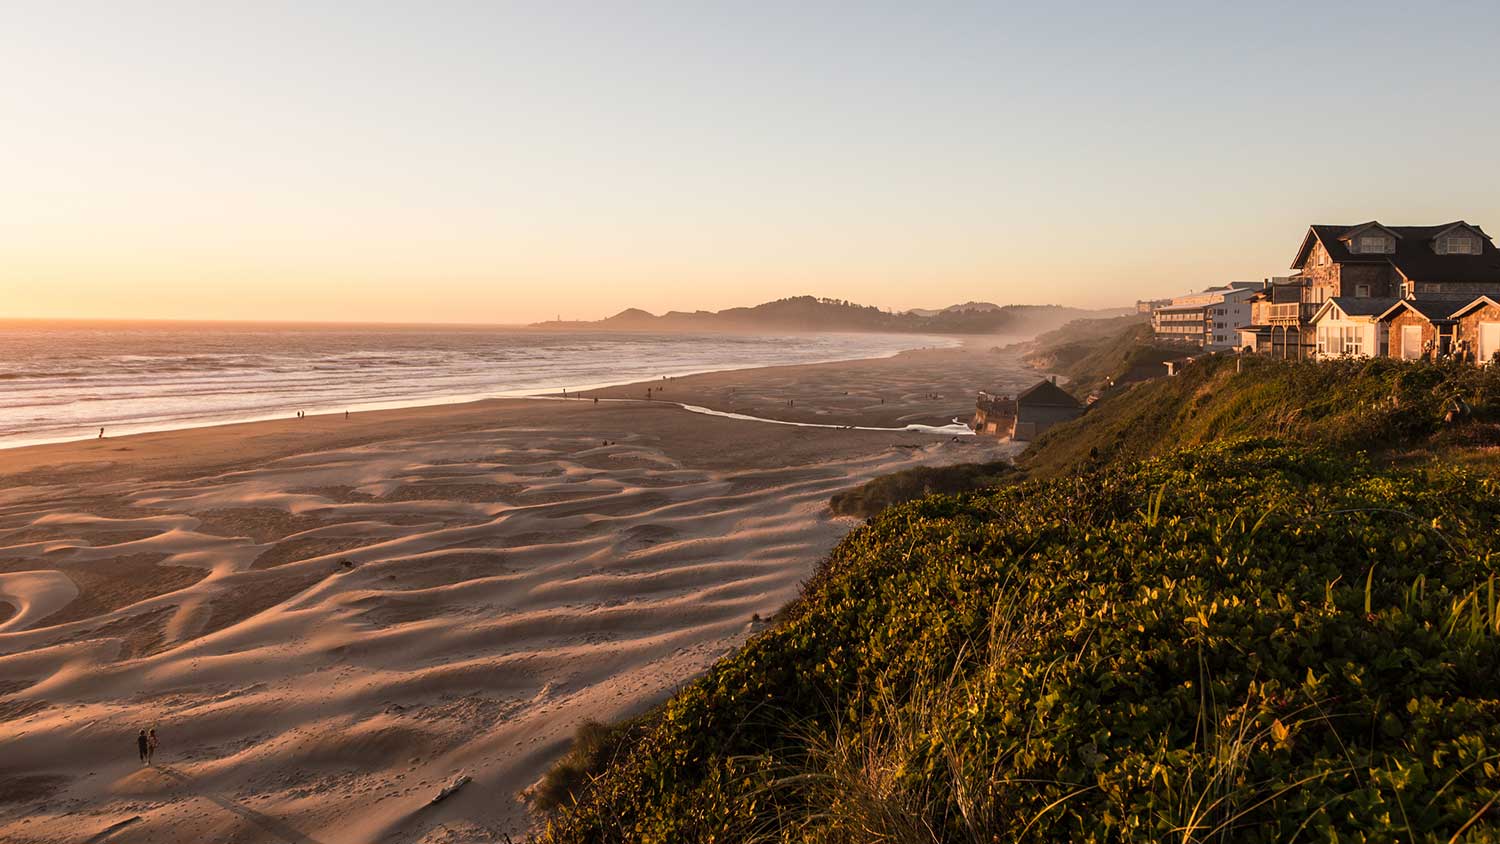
(1291, 313)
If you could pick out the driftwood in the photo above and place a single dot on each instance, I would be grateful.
(450, 790)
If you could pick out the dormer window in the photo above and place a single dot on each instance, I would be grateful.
(1373, 244)
(1460, 243)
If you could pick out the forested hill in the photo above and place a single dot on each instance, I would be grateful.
(809, 313)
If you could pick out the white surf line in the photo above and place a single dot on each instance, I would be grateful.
(952, 429)
(125, 429)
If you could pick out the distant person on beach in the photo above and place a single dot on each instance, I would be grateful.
(346, 414)
(143, 744)
(150, 746)
(101, 433)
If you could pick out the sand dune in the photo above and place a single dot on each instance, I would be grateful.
(330, 620)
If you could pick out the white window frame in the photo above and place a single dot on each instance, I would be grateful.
(1469, 242)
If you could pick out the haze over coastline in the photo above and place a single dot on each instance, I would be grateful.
(61, 383)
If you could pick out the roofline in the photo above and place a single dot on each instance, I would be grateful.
(1473, 228)
(1407, 303)
(1400, 304)
(1300, 259)
(1360, 229)
(1318, 314)
(1469, 307)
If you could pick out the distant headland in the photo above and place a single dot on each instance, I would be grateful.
(811, 313)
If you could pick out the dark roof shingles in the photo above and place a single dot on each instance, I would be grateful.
(1415, 257)
(1047, 394)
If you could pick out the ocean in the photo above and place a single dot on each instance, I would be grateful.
(64, 381)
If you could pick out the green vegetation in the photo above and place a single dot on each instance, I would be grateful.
(1377, 403)
(595, 747)
(1255, 602)
(1098, 353)
(1243, 642)
(909, 484)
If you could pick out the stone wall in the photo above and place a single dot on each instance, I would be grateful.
(1380, 278)
(1327, 281)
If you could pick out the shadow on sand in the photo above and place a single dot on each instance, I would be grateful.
(274, 826)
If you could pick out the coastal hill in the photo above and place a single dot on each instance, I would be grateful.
(1251, 603)
(810, 313)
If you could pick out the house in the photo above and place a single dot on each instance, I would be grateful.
(1209, 319)
(1371, 261)
(1041, 406)
(1278, 317)
(1027, 415)
(1349, 326)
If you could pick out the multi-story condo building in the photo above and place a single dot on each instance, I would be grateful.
(1209, 320)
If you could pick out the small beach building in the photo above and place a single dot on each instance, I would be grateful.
(1042, 406)
(1027, 415)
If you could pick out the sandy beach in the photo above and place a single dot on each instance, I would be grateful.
(328, 620)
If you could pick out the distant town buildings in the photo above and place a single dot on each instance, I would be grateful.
(1209, 319)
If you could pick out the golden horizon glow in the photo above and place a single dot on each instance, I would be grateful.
(403, 163)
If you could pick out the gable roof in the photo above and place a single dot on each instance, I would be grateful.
(1431, 308)
(1356, 306)
(1046, 394)
(1478, 302)
(1414, 257)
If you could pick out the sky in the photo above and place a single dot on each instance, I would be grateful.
(511, 162)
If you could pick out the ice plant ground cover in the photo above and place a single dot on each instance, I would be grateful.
(1243, 641)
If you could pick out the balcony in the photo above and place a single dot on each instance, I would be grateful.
(1290, 313)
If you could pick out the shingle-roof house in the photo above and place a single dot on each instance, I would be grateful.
(1433, 266)
(1026, 416)
(1041, 406)
(1375, 260)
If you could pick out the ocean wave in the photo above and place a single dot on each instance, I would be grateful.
(139, 380)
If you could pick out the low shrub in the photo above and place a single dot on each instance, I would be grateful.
(1242, 642)
(885, 491)
(595, 747)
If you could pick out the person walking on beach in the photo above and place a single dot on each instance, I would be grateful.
(143, 744)
(150, 745)
(101, 433)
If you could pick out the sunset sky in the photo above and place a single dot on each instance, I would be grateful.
(508, 162)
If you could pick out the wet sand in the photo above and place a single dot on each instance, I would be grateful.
(330, 619)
